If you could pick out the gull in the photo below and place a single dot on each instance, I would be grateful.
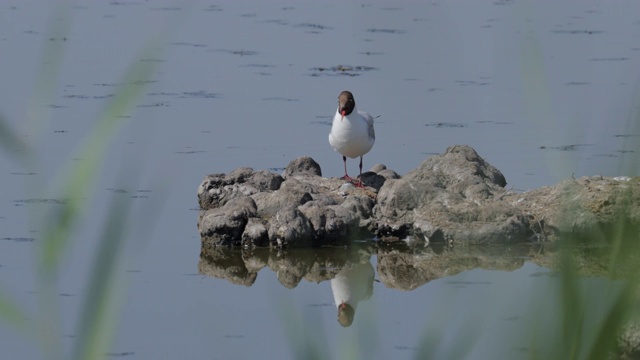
(350, 286)
(352, 132)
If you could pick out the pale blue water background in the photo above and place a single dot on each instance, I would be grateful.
(236, 86)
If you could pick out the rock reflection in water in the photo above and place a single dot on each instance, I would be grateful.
(349, 270)
(406, 268)
(399, 266)
(241, 266)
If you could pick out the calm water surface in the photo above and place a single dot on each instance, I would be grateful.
(542, 90)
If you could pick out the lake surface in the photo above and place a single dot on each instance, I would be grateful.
(542, 90)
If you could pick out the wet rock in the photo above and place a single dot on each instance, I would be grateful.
(303, 165)
(389, 174)
(378, 167)
(278, 214)
(332, 225)
(362, 207)
(289, 227)
(292, 192)
(449, 196)
(372, 179)
(629, 341)
(217, 189)
(265, 180)
(255, 233)
(225, 225)
(454, 197)
(588, 207)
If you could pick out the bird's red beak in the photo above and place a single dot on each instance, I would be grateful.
(343, 112)
(343, 305)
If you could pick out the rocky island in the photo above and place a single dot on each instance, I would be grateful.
(453, 198)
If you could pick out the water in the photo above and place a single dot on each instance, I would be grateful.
(541, 90)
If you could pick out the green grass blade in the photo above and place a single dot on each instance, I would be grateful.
(12, 314)
(103, 299)
(80, 177)
(13, 145)
(53, 52)
(606, 337)
(572, 306)
(48, 321)
(100, 309)
(304, 343)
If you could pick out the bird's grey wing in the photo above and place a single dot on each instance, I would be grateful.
(369, 119)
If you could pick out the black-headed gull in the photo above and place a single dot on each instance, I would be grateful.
(352, 132)
(350, 286)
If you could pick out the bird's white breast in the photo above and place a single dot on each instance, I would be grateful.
(350, 135)
(353, 284)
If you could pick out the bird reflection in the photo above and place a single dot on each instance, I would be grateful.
(350, 286)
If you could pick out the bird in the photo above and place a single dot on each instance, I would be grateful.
(352, 133)
(351, 286)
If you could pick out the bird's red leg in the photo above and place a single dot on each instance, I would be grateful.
(359, 184)
(346, 176)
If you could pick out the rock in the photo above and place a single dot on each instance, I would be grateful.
(255, 234)
(264, 180)
(302, 166)
(225, 225)
(289, 227)
(378, 167)
(217, 189)
(389, 174)
(588, 206)
(362, 207)
(271, 212)
(450, 196)
(292, 192)
(629, 341)
(455, 197)
(373, 180)
(332, 225)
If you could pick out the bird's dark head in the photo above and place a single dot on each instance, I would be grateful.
(345, 314)
(346, 103)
